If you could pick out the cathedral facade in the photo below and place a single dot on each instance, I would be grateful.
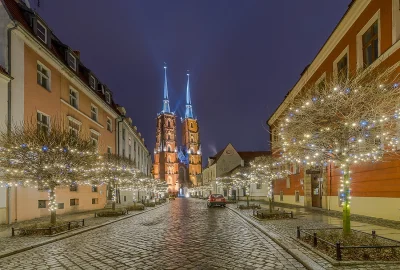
(177, 164)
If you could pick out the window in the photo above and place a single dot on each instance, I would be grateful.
(123, 152)
(275, 137)
(95, 201)
(73, 187)
(288, 182)
(295, 168)
(258, 185)
(342, 67)
(168, 124)
(130, 151)
(108, 97)
(94, 112)
(41, 32)
(72, 61)
(74, 127)
(94, 136)
(42, 204)
(191, 125)
(92, 82)
(109, 124)
(94, 189)
(73, 202)
(73, 98)
(297, 196)
(370, 44)
(43, 76)
(124, 198)
(123, 134)
(109, 151)
(43, 123)
(60, 206)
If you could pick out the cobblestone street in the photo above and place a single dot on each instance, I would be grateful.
(183, 234)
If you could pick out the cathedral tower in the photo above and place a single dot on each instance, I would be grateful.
(191, 139)
(165, 152)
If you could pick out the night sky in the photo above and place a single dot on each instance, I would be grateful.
(243, 56)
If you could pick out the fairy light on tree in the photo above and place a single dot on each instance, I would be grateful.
(116, 171)
(266, 169)
(46, 159)
(345, 122)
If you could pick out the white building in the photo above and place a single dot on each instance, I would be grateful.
(227, 161)
(130, 145)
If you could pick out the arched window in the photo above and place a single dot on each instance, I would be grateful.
(169, 137)
(168, 124)
(169, 148)
(191, 125)
(191, 138)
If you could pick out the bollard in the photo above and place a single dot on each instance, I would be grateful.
(12, 231)
(95, 214)
(69, 226)
(50, 231)
(373, 234)
(291, 214)
(298, 232)
(315, 239)
(338, 252)
(83, 222)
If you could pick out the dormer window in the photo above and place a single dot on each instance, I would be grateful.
(72, 61)
(92, 82)
(108, 97)
(41, 32)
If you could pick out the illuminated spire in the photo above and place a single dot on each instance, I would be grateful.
(189, 111)
(165, 101)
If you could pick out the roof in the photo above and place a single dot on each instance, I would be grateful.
(251, 155)
(4, 71)
(21, 14)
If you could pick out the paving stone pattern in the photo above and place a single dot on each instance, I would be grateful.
(184, 234)
(284, 230)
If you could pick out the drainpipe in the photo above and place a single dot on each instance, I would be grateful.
(118, 152)
(9, 113)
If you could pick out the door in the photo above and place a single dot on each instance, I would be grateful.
(316, 191)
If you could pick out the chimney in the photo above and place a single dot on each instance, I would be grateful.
(78, 54)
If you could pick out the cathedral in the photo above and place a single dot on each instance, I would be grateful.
(178, 165)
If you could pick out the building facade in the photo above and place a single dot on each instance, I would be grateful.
(225, 163)
(366, 37)
(41, 80)
(178, 167)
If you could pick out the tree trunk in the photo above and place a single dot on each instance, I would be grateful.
(53, 207)
(346, 199)
(271, 207)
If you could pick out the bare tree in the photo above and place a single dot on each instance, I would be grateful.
(37, 156)
(344, 121)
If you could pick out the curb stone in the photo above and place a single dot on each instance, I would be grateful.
(297, 254)
(76, 232)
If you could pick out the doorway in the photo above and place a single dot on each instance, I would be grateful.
(316, 191)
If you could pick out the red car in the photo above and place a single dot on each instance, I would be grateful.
(216, 199)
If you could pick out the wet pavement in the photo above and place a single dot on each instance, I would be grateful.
(183, 234)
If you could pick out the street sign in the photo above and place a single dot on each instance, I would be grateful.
(311, 171)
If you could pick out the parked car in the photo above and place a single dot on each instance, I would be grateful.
(216, 200)
(171, 197)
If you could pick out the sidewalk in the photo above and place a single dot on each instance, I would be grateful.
(9, 244)
(283, 232)
(386, 228)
